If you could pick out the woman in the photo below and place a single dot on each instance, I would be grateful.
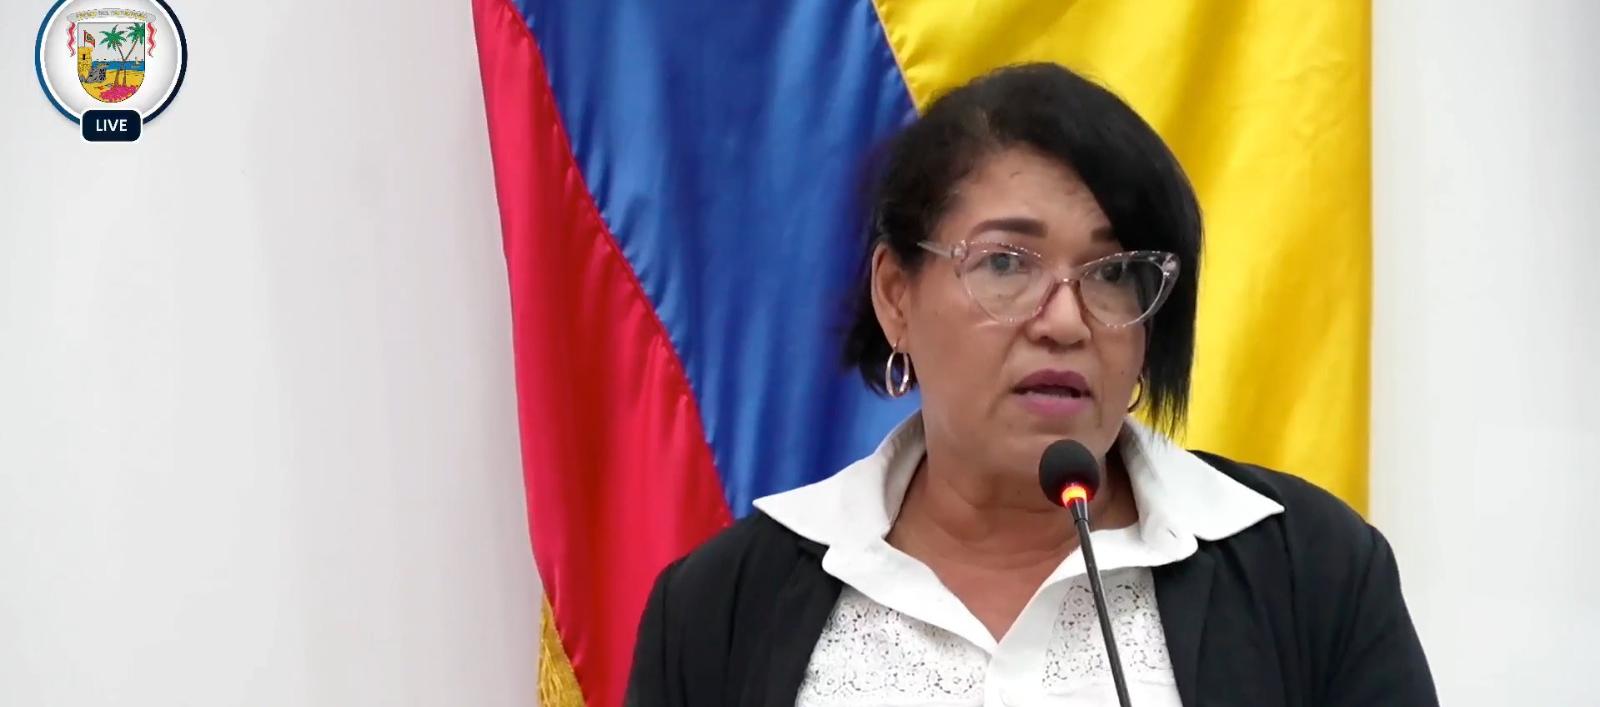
(1033, 265)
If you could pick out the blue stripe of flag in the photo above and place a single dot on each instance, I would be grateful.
(723, 142)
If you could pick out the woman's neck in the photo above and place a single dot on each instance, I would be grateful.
(992, 539)
(997, 520)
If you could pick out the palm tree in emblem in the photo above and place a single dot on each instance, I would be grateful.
(114, 38)
(136, 36)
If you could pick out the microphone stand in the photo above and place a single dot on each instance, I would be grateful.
(1080, 517)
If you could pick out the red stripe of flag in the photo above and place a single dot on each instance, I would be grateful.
(620, 479)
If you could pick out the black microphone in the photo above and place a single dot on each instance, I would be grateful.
(1070, 476)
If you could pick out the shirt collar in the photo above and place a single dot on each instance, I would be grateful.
(1182, 500)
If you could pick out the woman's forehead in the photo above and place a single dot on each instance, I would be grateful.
(1025, 199)
(1018, 185)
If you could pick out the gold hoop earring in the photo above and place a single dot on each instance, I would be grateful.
(897, 388)
(1138, 394)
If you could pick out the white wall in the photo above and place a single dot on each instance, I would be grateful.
(1486, 393)
(257, 424)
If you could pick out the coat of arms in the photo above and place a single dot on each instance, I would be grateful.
(111, 57)
(120, 62)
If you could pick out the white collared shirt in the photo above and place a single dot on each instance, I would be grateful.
(898, 636)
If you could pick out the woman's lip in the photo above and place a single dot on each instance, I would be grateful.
(1054, 378)
(1046, 405)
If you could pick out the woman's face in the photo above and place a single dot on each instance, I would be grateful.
(995, 394)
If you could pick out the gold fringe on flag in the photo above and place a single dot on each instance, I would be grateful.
(558, 685)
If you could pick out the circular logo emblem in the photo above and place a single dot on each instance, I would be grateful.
(93, 56)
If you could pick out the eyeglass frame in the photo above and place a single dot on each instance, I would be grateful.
(1169, 263)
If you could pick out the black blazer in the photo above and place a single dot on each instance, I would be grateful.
(1302, 609)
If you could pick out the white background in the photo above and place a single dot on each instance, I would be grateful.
(257, 420)
(257, 439)
(1486, 339)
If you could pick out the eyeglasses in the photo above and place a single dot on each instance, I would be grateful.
(1012, 284)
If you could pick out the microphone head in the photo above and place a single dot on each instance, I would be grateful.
(1064, 463)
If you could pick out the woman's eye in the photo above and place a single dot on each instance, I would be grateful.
(1003, 263)
(1112, 272)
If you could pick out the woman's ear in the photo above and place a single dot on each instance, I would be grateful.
(891, 286)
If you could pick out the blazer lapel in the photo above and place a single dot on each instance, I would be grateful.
(1183, 594)
(799, 614)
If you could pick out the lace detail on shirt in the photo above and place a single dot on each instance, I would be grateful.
(1076, 655)
(871, 654)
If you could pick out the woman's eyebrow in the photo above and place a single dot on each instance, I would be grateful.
(1025, 226)
(1021, 225)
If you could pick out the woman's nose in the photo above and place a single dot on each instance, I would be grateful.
(1060, 320)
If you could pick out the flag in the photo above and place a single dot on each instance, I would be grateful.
(677, 187)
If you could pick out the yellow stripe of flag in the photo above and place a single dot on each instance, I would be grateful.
(1266, 105)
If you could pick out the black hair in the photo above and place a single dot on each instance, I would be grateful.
(1133, 175)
